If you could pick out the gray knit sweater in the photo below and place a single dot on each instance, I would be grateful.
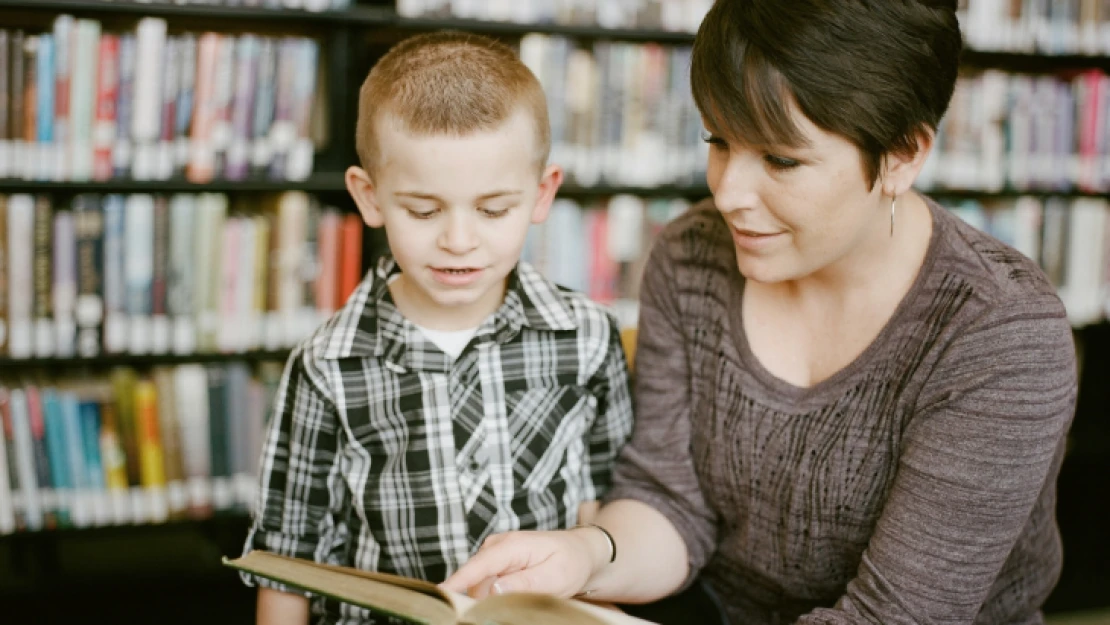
(916, 485)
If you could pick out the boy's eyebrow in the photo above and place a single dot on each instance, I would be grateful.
(416, 195)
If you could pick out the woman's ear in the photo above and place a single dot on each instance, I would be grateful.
(900, 169)
(361, 188)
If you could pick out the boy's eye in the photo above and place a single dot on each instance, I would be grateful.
(780, 162)
(493, 212)
(421, 214)
(714, 140)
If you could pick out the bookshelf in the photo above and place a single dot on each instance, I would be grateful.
(349, 40)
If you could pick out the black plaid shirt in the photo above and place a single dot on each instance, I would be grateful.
(384, 454)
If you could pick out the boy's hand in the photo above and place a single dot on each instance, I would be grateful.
(556, 563)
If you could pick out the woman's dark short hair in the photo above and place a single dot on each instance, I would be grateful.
(873, 71)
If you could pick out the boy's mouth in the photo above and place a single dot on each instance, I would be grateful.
(456, 276)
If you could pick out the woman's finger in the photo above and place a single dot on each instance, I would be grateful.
(488, 562)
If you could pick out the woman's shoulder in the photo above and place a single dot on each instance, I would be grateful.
(991, 271)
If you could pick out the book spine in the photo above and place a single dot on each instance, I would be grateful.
(171, 87)
(191, 395)
(25, 460)
(63, 66)
(43, 303)
(187, 55)
(181, 283)
(151, 455)
(146, 119)
(43, 160)
(47, 492)
(115, 335)
(202, 157)
(123, 150)
(246, 68)
(15, 102)
(21, 220)
(5, 147)
(30, 107)
(65, 284)
(83, 97)
(99, 502)
(107, 95)
(89, 309)
(139, 270)
(58, 455)
(161, 334)
(114, 458)
(4, 320)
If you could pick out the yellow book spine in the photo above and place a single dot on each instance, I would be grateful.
(152, 466)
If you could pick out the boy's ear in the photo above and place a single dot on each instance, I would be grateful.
(549, 185)
(900, 170)
(361, 188)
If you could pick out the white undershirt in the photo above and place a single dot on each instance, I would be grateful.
(451, 342)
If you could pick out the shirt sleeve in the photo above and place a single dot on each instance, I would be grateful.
(657, 465)
(976, 459)
(302, 497)
(613, 424)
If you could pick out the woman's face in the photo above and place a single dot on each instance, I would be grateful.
(795, 212)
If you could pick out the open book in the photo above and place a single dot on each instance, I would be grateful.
(416, 601)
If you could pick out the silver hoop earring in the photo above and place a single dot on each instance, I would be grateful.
(893, 202)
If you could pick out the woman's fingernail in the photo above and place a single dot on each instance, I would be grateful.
(497, 589)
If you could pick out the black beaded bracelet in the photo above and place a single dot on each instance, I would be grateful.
(608, 536)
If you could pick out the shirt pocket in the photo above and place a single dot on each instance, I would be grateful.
(546, 427)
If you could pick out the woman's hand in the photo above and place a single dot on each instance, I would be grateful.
(556, 563)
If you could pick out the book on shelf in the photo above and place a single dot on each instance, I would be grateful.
(81, 103)
(1037, 26)
(1024, 132)
(180, 274)
(408, 600)
(1068, 237)
(132, 447)
(665, 15)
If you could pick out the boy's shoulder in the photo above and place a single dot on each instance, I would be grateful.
(351, 330)
(556, 307)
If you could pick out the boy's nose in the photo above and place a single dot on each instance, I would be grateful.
(459, 235)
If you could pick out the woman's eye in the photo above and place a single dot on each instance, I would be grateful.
(714, 140)
(780, 162)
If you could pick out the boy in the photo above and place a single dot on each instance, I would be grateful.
(458, 393)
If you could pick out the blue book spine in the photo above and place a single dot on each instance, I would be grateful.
(57, 453)
(90, 441)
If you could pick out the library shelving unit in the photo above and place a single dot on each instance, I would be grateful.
(170, 573)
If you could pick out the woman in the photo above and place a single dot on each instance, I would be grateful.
(851, 406)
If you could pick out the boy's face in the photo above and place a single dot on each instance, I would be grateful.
(456, 211)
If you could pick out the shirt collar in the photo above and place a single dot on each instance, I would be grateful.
(370, 325)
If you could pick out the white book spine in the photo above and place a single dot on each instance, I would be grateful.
(21, 219)
(146, 119)
(191, 395)
(65, 284)
(25, 460)
(139, 270)
(83, 93)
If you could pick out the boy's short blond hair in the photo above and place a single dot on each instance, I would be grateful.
(448, 83)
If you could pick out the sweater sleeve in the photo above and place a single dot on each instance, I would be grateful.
(985, 442)
(657, 466)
